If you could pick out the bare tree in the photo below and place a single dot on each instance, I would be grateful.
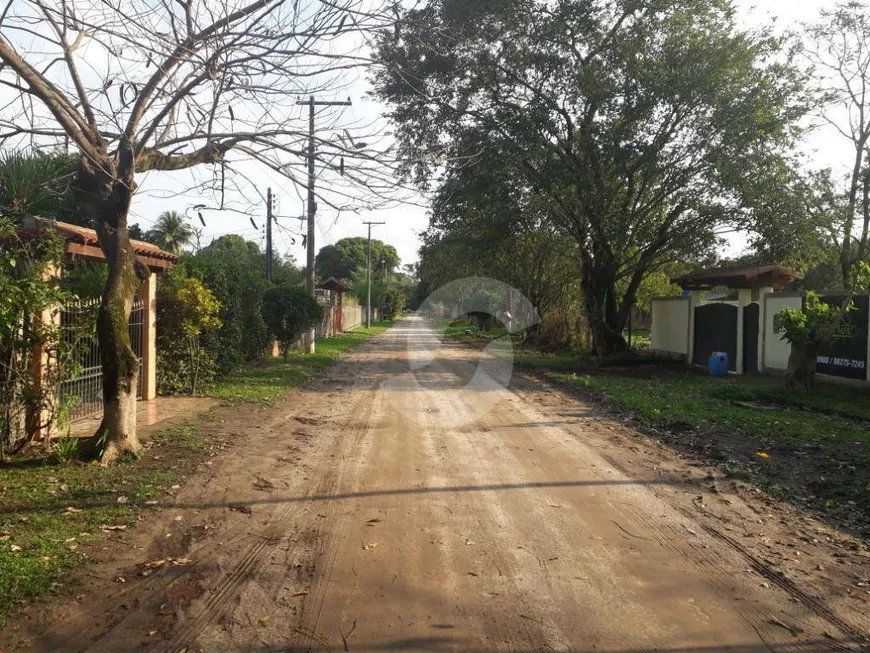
(838, 46)
(168, 85)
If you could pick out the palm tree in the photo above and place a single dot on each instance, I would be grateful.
(171, 232)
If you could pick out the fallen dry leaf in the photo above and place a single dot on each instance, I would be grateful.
(15, 547)
(762, 454)
(119, 527)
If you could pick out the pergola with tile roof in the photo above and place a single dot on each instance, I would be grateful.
(82, 243)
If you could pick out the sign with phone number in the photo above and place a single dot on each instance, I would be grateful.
(846, 354)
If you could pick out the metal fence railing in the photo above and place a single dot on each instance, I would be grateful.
(82, 390)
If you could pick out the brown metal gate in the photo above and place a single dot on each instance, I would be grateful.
(715, 330)
(83, 391)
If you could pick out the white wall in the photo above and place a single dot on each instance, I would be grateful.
(776, 350)
(670, 326)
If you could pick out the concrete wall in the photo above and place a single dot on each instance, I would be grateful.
(775, 349)
(670, 326)
(352, 315)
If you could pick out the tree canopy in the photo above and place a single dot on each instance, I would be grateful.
(347, 259)
(631, 124)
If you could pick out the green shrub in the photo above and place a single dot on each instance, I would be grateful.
(289, 311)
(187, 310)
(66, 449)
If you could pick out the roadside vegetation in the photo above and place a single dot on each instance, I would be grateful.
(812, 449)
(268, 380)
(53, 509)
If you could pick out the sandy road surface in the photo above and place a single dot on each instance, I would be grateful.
(378, 510)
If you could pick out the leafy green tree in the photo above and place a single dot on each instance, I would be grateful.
(634, 123)
(393, 302)
(171, 232)
(198, 312)
(289, 311)
(347, 259)
(27, 405)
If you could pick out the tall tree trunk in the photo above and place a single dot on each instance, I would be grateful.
(107, 197)
(120, 365)
(605, 322)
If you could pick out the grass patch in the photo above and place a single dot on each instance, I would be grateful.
(812, 449)
(751, 407)
(50, 510)
(269, 380)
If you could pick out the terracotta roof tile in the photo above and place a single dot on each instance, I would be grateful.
(86, 236)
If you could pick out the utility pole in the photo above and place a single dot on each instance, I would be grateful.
(369, 276)
(312, 206)
(268, 234)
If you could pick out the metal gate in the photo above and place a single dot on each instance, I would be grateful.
(83, 391)
(715, 330)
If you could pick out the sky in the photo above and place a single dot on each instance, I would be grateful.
(403, 224)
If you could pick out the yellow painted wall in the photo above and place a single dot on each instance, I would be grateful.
(670, 325)
(776, 350)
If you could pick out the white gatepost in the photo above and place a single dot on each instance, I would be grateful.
(744, 298)
(762, 326)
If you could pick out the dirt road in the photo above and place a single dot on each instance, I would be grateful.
(378, 510)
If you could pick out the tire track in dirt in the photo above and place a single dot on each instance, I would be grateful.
(217, 604)
(328, 532)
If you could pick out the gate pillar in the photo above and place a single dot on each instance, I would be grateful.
(148, 295)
